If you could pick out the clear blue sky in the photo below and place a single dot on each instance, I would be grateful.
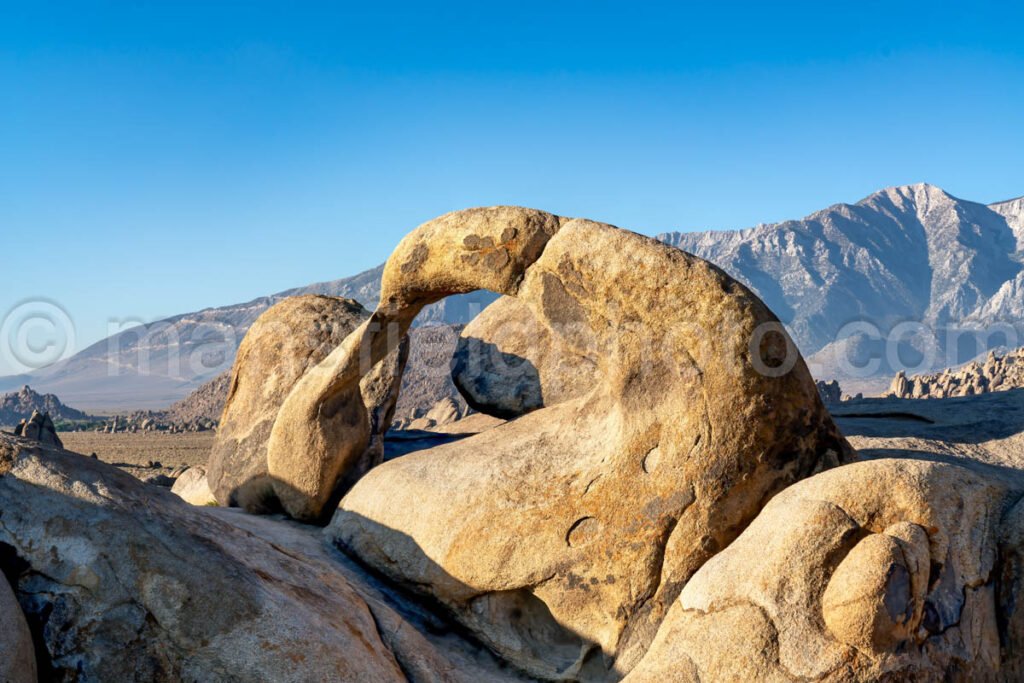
(156, 158)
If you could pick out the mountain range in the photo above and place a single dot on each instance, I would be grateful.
(20, 405)
(909, 276)
(149, 367)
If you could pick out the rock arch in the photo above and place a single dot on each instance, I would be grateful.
(669, 335)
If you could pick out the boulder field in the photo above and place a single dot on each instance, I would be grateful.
(660, 495)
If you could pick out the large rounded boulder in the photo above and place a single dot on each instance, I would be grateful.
(901, 570)
(508, 363)
(285, 342)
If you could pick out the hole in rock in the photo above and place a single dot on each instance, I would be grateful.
(582, 532)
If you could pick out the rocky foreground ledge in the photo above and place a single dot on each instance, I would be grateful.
(119, 580)
(899, 567)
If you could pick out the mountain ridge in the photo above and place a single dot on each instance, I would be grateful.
(154, 365)
(906, 254)
(909, 253)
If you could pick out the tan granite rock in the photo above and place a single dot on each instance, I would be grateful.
(193, 488)
(457, 253)
(879, 570)
(507, 363)
(287, 340)
(561, 538)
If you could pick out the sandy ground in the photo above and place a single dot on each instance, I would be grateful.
(985, 430)
(134, 452)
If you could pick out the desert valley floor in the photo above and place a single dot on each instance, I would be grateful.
(983, 429)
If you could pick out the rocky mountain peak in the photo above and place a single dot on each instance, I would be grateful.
(904, 253)
(25, 402)
(1013, 211)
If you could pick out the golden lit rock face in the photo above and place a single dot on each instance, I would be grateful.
(561, 538)
(485, 248)
(870, 602)
(877, 570)
(285, 342)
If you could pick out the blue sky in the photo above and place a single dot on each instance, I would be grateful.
(157, 158)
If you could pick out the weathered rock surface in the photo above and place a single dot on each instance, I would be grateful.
(427, 380)
(426, 383)
(290, 338)
(17, 658)
(880, 570)
(193, 488)
(445, 412)
(660, 505)
(561, 538)
(121, 581)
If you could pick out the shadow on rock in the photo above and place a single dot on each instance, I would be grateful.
(531, 636)
(969, 419)
(120, 580)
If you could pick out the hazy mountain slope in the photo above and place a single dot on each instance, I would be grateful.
(152, 366)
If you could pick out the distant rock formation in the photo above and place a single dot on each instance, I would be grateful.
(428, 397)
(20, 405)
(39, 427)
(205, 403)
(198, 412)
(830, 392)
(996, 373)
